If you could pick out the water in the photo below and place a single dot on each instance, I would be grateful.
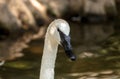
(96, 59)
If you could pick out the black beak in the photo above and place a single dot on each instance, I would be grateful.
(65, 41)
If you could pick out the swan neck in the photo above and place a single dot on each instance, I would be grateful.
(48, 59)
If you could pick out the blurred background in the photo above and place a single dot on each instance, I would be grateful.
(95, 37)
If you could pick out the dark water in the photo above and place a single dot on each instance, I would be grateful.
(96, 59)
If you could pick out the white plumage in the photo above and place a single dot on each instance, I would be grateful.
(52, 40)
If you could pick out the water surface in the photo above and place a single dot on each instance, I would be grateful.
(96, 59)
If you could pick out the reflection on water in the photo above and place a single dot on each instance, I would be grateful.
(90, 63)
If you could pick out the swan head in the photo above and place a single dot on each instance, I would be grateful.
(59, 32)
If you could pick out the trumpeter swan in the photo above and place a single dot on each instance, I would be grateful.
(57, 33)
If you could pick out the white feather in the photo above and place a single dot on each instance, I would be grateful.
(52, 39)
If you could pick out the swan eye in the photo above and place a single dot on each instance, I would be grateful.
(65, 41)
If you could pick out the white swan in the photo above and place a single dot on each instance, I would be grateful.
(57, 33)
